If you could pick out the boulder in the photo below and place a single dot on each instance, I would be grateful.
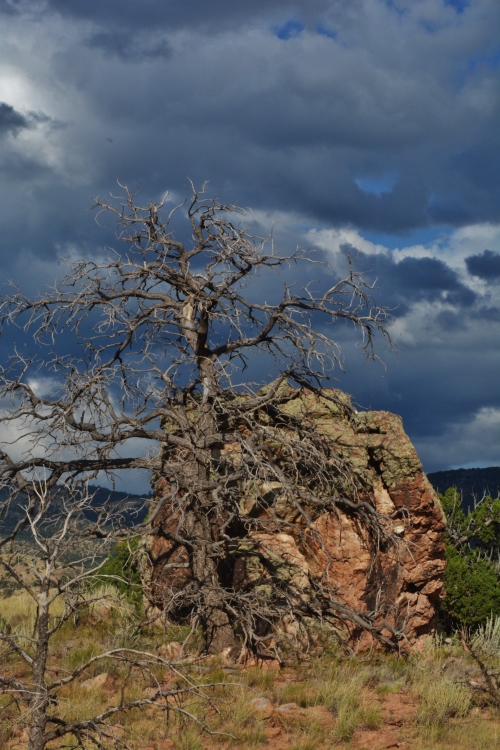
(336, 554)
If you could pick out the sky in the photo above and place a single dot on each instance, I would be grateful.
(368, 127)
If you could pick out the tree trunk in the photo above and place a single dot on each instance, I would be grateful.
(40, 700)
(217, 628)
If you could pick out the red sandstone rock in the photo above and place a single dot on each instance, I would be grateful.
(398, 709)
(100, 681)
(403, 583)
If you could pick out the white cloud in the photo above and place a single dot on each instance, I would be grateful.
(473, 443)
(451, 247)
(43, 386)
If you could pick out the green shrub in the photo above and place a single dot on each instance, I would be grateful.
(472, 589)
(472, 586)
(122, 570)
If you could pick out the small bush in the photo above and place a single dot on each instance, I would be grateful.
(121, 569)
(484, 646)
(472, 589)
(471, 581)
(486, 640)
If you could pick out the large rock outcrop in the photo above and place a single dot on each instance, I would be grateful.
(402, 582)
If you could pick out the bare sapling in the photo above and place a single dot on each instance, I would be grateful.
(53, 547)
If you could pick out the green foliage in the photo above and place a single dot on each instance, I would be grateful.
(452, 507)
(486, 519)
(472, 589)
(478, 529)
(471, 579)
(122, 569)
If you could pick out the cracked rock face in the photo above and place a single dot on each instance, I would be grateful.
(402, 583)
(405, 582)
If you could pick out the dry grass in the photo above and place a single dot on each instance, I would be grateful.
(77, 703)
(18, 613)
(441, 695)
(470, 735)
(304, 694)
(352, 690)
(256, 677)
(18, 606)
(340, 691)
(309, 739)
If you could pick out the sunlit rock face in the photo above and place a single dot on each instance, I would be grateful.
(402, 583)
(405, 581)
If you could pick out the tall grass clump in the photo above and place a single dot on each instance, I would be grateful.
(440, 697)
(486, 639)
(484, 647)
(340, 693)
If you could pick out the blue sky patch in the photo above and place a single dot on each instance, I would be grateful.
(425, 237)
(325, 31)
(459, 5)
(290, 29)
(490, 59)
(397, 8)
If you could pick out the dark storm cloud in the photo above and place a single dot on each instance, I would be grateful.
(437, 389)
(257, 99)
(215, 14)
(10, 7)
(486, 265)
(323, 114)
(10, 120)
(130, 47)
(401, 284)
(442, 378)
(220, 14)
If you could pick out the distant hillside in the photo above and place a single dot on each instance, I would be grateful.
(129, 509)
(472, 483)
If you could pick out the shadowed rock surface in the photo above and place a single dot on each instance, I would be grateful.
(401, 583)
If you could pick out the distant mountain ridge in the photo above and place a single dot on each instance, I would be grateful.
(472, 483)
(128, 509)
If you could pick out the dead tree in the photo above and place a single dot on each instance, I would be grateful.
(166, 329)
(63, 539)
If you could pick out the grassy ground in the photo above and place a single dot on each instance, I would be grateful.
(430, 701)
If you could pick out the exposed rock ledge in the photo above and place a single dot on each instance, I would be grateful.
(403, 583)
